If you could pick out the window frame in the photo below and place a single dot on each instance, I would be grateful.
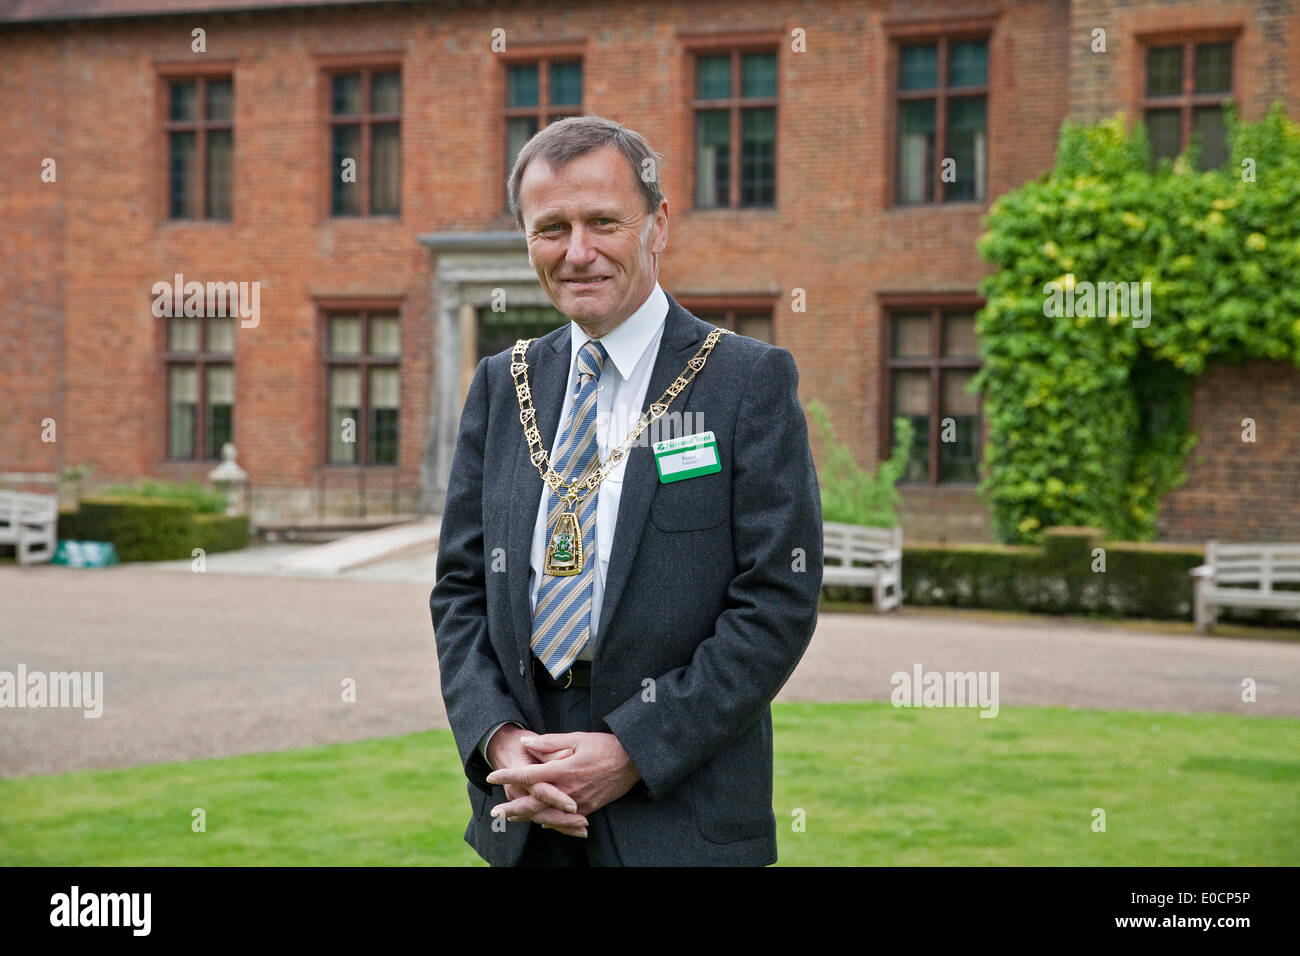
(365, 309)
(1187, 100)
(936, 305)
(202, 73)
(941, 36)
(736, 46)
(481, 309)
(544, 112)
(200, 359)
(367, 66)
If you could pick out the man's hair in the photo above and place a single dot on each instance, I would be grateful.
(564, 141)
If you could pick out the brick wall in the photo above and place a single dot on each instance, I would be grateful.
(82, 254)
(1266, 66)
(32, 218)
(1238, 490)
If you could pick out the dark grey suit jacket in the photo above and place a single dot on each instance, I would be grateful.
(712, 594)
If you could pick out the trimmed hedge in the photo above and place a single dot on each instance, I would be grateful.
(222, 532)
(152, 529)
(1140, 579)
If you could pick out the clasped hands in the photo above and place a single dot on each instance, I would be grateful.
(555, 780)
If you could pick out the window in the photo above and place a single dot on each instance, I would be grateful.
(735, 129)
(499, 330)
(538, 93)
(1186, 86)
(200, 386)
(366, 143)
(200, 147)
(942, 115)
(752, 320)
(363, 351)
(933, 355)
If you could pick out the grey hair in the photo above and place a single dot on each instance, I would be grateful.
(567, 139)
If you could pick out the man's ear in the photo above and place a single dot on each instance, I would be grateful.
(660, 228)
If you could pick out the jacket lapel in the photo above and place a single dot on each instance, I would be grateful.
(548, 372)
(682, 337)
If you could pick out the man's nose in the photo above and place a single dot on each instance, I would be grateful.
(581, 251)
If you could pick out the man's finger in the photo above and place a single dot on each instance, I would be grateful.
(580, 832)
(549, 793)
(526, 806)
(556, 818)
(530, 809)
(526, 775)
(548, 742)
(545, 757)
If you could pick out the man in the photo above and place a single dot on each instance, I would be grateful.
(610, 642)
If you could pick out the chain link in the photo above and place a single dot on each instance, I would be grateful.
(576, 490)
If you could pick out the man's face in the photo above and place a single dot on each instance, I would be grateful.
(590, 239)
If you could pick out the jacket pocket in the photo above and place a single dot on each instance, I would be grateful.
(692, 504)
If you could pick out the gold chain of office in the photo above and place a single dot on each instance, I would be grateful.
(576, 490)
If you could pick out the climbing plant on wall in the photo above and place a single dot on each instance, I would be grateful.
(1117, 283)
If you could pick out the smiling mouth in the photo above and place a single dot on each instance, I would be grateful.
(585, 283)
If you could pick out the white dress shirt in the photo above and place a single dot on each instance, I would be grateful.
(630, 349)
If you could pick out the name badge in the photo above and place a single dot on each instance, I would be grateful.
(687, 457)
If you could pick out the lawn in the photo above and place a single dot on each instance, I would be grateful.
(876, 785)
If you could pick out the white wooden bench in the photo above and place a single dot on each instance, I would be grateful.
(1219, 581)
(29, 522)
(865, 557)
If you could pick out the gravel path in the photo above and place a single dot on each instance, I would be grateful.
(203, 665)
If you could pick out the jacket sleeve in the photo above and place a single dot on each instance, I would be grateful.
(771, 605)
(473, 685)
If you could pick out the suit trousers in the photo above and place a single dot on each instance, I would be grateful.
(567, 712)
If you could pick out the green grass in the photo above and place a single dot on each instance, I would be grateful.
(877, 786)
(923, 787)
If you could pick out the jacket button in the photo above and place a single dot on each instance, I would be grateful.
(522, 668)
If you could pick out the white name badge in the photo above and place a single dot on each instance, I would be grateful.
(687, 457)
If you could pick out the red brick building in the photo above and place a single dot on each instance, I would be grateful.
(142, 140)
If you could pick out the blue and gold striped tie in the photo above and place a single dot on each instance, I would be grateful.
(562, 617)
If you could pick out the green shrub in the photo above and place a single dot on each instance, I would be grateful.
(205, 500)
(1089, 416)
(1062, 576)
(142, 529)
(152, 529)
(851, 494)
(222, 532)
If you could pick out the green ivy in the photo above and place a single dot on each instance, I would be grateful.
(1088, 417)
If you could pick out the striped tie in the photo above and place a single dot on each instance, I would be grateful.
(562, 618)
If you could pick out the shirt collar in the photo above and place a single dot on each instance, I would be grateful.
(626, 344)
